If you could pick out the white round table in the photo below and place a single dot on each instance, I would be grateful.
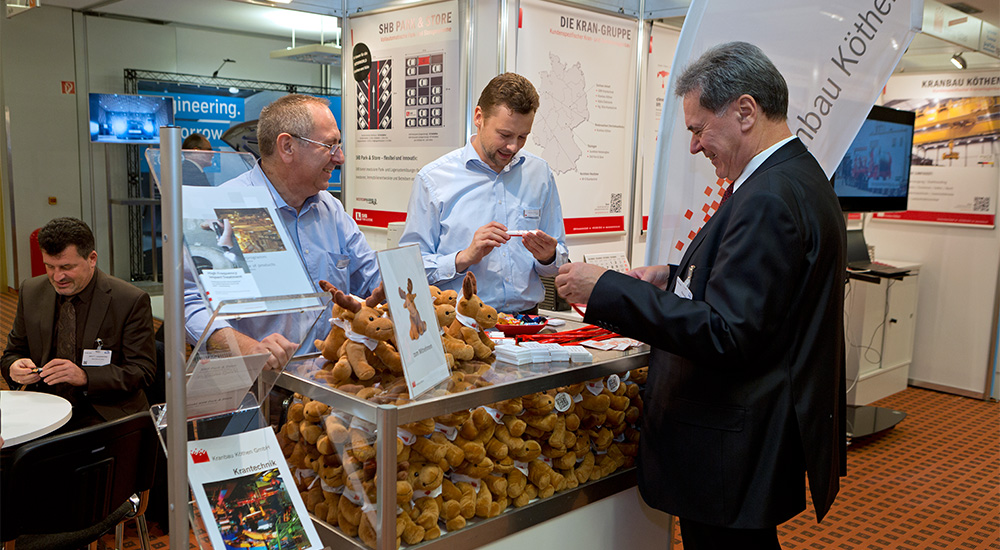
(26, 415)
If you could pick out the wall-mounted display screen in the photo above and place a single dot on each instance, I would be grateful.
(121, 118)
(875, 173)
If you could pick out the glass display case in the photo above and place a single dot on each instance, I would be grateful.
(454, 484)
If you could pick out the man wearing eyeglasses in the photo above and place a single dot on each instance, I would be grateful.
(300, 148)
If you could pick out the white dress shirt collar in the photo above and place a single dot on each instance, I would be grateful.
(757, 160)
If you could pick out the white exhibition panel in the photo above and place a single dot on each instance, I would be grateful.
(621, 520)
(961, 262)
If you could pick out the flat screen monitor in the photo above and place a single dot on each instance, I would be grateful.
(874, 175)
(121, 118)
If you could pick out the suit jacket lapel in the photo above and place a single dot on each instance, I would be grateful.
(785, 152)
(98, 310)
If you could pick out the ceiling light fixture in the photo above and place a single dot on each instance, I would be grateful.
(958, 61)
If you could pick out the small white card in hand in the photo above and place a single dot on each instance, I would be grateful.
(682, 291)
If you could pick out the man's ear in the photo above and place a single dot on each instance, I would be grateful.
(747, 110)
(478, 116)
(283, 147)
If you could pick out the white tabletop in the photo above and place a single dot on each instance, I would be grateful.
(25, 415)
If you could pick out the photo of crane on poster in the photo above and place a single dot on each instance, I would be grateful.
(583, 65)
(955, 165)
(404, 102)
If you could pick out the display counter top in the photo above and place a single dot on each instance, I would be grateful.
(507, 381)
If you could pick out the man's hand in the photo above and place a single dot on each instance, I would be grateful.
(575, 282)
(656, 275)
(24, 372)
(541, 246)
(485, 239)
(279, 347)
(58, 371)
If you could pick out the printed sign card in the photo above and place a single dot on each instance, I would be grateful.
(412, 307)
(240, 248)
(218, 385)
(247, 495)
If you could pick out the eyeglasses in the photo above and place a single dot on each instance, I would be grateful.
(332, 148)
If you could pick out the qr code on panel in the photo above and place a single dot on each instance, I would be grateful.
(616, 203)
(981, 204)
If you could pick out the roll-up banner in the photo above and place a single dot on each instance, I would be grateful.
(836, 58)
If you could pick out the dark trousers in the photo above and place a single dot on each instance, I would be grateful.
(700, 536)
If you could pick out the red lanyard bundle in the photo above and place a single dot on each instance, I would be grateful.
(568, 337)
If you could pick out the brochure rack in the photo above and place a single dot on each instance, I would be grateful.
(227, 385)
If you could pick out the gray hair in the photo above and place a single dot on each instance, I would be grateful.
(730, 70)
(286, 115)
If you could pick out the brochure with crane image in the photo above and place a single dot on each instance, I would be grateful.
(246, 494)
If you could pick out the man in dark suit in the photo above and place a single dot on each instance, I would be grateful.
(746, 387)
(195, 162)
(80, 333)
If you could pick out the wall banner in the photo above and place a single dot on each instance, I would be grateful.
(583, 65)
(954, 174)
(662, 47)
(404, 101)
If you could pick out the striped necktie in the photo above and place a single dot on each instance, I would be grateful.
(726, 194)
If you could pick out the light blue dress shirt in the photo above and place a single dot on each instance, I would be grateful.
(459, 193)
(330, 246)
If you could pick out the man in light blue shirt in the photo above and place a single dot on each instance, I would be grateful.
(492, 179)
(300, 147)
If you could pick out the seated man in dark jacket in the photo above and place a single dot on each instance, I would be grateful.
(80, 333)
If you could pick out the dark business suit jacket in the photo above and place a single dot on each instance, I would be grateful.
(120, 315)
(746, 380)
(192, 174)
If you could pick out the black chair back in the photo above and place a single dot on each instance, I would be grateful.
(73, 481)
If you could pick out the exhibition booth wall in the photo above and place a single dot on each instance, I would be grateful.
(51, 156)
(49, 140)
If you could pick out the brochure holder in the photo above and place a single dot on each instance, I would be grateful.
(232, 452)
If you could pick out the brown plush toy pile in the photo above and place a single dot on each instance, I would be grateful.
(455, 467)
(464, 465)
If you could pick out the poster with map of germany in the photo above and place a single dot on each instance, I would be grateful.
(583, 65)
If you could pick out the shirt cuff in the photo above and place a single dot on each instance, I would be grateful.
(552, 268)
(446, 270)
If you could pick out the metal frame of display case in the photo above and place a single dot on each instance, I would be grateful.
(388, 417)
(174, 426)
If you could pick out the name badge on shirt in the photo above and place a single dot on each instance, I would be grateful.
(96, 357)
(532, 213)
